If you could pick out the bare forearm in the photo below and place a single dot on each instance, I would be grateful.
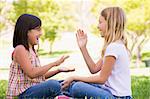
(90, 79)
(40, 71)
(90, 63)
(51, 73)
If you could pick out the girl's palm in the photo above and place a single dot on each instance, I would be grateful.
(65, 69)
(61, 60)
(81, 38)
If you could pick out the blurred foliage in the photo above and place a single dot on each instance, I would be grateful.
(137, 12)
(2, 26)
(2, 5)
(66, 15)
(56, 16)
(138, 21)
(145, 56)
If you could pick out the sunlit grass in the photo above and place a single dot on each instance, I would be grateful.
(140, 87)
(3, 86)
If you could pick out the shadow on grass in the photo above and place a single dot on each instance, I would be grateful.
(140, 87)
(42, 53)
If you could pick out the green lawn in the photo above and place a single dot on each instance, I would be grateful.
(140, 87)
(3, 86)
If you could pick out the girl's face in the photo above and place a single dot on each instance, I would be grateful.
(102, 26)
(34, 35)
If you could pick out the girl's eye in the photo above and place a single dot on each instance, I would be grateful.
(38, 29)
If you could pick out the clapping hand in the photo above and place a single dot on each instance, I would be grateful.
(81, 38)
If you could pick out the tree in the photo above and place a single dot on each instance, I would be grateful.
(139, 25)
(4, 22)
(51, 13)
(138, 21)
(2, 25)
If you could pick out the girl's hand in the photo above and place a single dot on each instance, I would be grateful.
(66, 82)
(81, 38)
(65, 69)
(61, 60)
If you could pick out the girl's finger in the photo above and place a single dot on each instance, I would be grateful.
(66, 57)
(62, 83)
(78, 33)
(64, 86)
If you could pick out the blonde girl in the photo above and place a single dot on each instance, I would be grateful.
(112, 80)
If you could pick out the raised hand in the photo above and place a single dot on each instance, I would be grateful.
(81, 38)
(61, 60)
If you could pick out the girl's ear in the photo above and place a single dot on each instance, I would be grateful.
(29, 31)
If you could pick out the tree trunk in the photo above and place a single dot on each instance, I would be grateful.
(138, 53)
(51, 47)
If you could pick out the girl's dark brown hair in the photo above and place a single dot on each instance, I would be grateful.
(24, 23)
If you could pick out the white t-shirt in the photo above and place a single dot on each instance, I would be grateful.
(119, 82)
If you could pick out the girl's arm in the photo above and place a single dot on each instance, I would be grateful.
(82, 41)
(51, 73)
(21, 56)
(100, 78)
(94, 68)
(59, 70)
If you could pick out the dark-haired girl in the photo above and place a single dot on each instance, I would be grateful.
(27, 78)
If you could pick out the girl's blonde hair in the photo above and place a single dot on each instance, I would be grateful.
(115, 24)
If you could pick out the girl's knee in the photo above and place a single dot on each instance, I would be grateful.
(54, 84)
(76, 88)
(77, 85)
(53, 87)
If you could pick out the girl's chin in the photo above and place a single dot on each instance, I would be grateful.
(36, 43)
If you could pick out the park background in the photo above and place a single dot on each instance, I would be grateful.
(61, 19)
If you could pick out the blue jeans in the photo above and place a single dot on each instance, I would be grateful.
(48, 89)
(89, 91)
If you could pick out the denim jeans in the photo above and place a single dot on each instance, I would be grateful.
(89, 91)
(48, 89)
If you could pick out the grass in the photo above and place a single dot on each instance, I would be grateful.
(140, 87)
(3, 86)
